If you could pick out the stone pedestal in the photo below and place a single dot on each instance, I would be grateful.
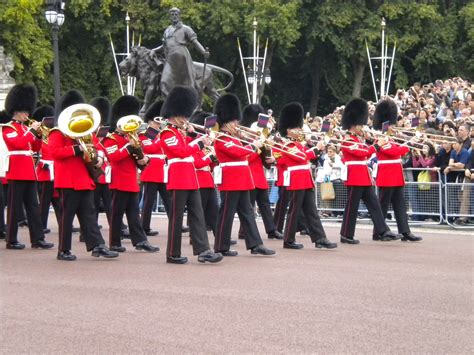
(6, 81)
(5, 85)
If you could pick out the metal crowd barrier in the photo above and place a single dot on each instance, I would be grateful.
(459, 201)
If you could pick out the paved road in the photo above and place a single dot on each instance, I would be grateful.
(371, 298)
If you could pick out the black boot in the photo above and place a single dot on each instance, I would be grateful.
(409, 237)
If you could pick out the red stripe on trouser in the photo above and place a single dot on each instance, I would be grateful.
(346, 219)
(222, 221)
(290, 220)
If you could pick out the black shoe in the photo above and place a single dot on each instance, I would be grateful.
(275, 235)
(229, 253)
(185, 229)
(46, 230)
(233, 242)
(42, 244)
(102, 250)
(15, 246)
(303, 232)
(241, 236)
(145, 245)
(23, 223)
(176, 259)
(409, 237)
(262, 250)
(292, 245)
(3, 235)
(151, 232)
(118, 249)
(125, 233)
(76, 229)
(210, 257)
(390, 236)
(349, 240)
(324, 243)
(66, 256)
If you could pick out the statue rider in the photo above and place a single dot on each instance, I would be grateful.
(178, 68)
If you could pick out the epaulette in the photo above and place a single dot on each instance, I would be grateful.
(9, 125)
(166, 129)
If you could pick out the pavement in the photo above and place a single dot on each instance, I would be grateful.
(375, 297)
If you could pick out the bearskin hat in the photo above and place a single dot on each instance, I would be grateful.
(42, 112)
(227, 109)
(386, 110)
(355, 113)
(124, 106)
(291, 116)
(102, 104)
(250, 114)
(199, 117)
(21, 98)
(4, 117)
(180, 102)
(153, 111)
(72, 97)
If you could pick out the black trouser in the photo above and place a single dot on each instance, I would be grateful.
(23, 193)
(396, 196)
(367, 194)
(260, 196)
(197, 225)
(210, 207)
(125, 202)
(303, 200)
(103, 193)
(282, 207)
(80, 203)
(2, 210)
(231, 202)
(46, 191)
(150, 190)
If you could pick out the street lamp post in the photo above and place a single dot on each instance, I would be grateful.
(55, 16)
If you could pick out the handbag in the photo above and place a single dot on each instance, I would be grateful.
(327, 191)
(424, 177)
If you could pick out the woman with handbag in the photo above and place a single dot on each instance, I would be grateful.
(424, 160)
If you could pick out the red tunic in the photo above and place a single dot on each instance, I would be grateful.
(124, 168)
(20, 142)
(103, 178)
(181, 170)
(45, 166)
(232, 156)
(298, 168)
(390, 173)
(69, 169)
(203, 167)
(353, 150)
(257, 170)
(154, 172)
(281, 168)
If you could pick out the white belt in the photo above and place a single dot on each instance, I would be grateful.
(234, 163)
(393, 161)
(206, 168)
(50, 167)
(181, 160)
(355, 162)
(159, 156)
(299, 167)
(6, 161)
(172, 161)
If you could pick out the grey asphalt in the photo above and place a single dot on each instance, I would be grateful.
(376, 297)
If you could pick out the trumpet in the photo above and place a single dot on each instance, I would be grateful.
(79, 122)
(43, 130)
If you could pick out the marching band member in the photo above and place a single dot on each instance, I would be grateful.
(357, 176)
(235, 181)
(74, 182)
(45, 173)
(181, 176)
(152, 176)
(389, 178)
(21, 141)
(299, 181)
(124, 159)
(204, 163)
(256, 165)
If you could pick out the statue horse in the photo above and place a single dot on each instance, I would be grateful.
(142, 64)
